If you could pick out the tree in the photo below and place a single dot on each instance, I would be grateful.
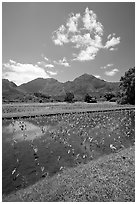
(109, 96)
(127, 87)
(89, 99)
(69, 97)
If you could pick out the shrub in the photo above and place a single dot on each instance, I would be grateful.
(127, 87)
(114, 99)
(69, 97)
(89, 99)
(109, 96)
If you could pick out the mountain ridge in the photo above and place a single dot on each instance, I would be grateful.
(52, 87)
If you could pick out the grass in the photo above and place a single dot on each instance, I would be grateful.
(30, 109)
(110, 178)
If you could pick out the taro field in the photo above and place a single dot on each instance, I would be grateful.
(38, 147)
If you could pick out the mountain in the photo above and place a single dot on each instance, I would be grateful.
(51, 87)
(10, 90)
(91, 85)
(48, 86)
(8, 85)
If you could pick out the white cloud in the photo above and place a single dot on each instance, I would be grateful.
(88, 54)
(85, 40)
(97, 76)
(105, 67)
(59, 36)
(110, 65)
(112, 42)
(62, 62)
(12, 61)
(112, 49)
(109, 36)
(72, 22)
(90, 22)
(52, 73)
(49, 65)
(112, 72)
(41, 63)
(46, 58)
(22, 73)
(85, 33)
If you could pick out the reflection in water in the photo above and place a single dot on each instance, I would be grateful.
(42, 146)
(23, 130)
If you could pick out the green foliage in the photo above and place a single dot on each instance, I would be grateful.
(127, 87)
(113, 99)
(89, 99)
(109, 96)
(40, 95)
(69, 97)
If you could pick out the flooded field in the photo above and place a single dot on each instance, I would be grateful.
(38, 147)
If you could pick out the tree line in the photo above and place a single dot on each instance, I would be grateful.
(126, 94)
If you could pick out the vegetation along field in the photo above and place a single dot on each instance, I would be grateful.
(33, 109)
(68, 102)
(50, 146)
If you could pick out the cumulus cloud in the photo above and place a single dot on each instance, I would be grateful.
(60, 36)
(84, 41)
(49, 65)
(109, 36)
(113, 48)
(97, 76)
(45, 65)
(85, 33)
(22, 73)
(12, 61)
(46, 58)
(112, 42)
(52, 73)
(88, 54)
(72, 23)
(62, 62)
(108, 65)
(90, 22)
(41, 63)
(103, 67)
(112, 72)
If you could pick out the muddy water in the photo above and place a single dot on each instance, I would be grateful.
(39, 147)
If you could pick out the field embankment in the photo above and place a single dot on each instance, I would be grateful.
(109, 179)
(33, 109)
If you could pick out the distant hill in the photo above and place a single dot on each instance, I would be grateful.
(10, 90)
(90, 84)
(12, 93)
(48, 86)
(8, 85)
(51, 87)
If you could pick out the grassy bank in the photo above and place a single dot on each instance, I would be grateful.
(33, 109)
(110, 178)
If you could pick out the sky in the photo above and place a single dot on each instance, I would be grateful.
(64, 40)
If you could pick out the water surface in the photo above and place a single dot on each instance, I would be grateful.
(40, 147)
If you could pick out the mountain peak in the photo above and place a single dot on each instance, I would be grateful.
(6, 82)
(85, 77)
(79, 86)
